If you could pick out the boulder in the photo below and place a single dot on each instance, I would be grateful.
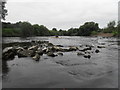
(61, 54)
(33, 48)
(19, 48)
(40, 52)
(36, 57)
(100, 46)
(80, 53)
(50, 44)
(97, 51)
(25, 53)
(59, 45)
(8, 53)
(22, 53)
(8, 56)
(73, 48)
(51, 54)
(87, 56)
(85, 49)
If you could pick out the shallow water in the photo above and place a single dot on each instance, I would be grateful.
(67, 71)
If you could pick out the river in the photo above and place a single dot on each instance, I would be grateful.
(100, 71)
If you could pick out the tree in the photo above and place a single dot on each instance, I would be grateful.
(26, 29)
(54, 29)
(3, 11)
(88, 28)
(111, 24)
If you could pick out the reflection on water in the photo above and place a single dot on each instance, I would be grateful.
(5, 69)
(68, 70)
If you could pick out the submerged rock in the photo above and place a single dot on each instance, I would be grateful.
(51, 54)
(97, 51)
(87, 56)
(85, 49)
(100, 46)
(80, 53)
(61, 54)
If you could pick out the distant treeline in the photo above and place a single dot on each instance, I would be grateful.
(26, 29)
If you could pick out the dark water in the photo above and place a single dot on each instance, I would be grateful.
(67, 71)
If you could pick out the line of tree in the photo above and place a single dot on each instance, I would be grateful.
(26, 29)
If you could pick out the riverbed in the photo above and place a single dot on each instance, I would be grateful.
(67, 71)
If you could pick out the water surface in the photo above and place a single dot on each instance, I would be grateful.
(67, 71)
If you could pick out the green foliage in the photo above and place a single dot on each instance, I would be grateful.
(25, 29)
(94, 33)
(88, 28)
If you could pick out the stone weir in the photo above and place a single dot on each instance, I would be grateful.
(35, 49)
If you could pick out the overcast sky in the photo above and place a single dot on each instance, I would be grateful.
(62, 14)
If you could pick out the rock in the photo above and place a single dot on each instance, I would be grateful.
(50, 44)
(25, 53)
(19, 48)
(25, 47)
(45, 50)
(87, 56)
(80, 53)
(40, 51)
(85, 49)
(61, 54)
(36, 57)
(8, 53)
(100, 46)
(8, 56)
(51, 54)
(22, 54)
(33, 48)
(73, 48)
(97, 51)
(55, 49)
(59, 45)
(8, 49)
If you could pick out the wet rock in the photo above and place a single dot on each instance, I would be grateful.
(19, 48)
(45, 50)
(51, 54)
(85, 49)
(22, 53)
(88, 52)
(8, 56)
(61, 54)
(50, 44)
(73, 48)
(80, 53)
(55, 49)
(59, 45)
(100, 46)
(36, 57)
(8, 53)
(87, 56)
(8, 49)
(25, 47)
(40, 51)
(97, 51)
(33, 48)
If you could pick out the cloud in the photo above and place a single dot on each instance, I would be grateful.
(62, 14)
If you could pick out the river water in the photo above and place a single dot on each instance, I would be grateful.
(100, 71)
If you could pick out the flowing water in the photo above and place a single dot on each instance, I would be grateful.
(67, 71)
